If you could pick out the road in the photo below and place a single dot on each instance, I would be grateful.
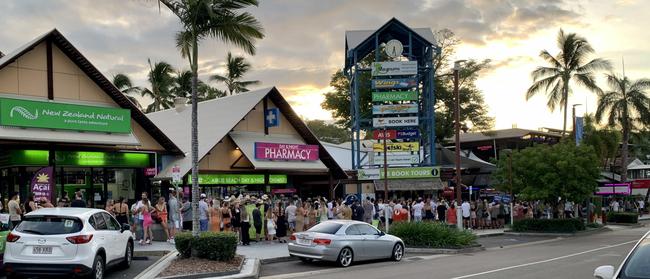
(138, 265)
(573, 257)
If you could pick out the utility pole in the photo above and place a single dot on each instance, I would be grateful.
(459, 211)
(386, 207)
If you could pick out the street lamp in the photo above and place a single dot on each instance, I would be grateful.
(459, 210)
(512, 197)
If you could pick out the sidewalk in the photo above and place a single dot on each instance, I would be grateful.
(489, 232)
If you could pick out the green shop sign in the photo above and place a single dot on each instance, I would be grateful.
(76, 158)
(399, 173)
(394, 96)
(230, 179)
(51, 115)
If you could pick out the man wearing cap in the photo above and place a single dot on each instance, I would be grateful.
(203, 214)
(174, 214)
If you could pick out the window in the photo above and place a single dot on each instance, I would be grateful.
(353, 230)
(326, 227)
(367, 230)
(100, 223)
(49, 225)
(638, 265)
(111, 223)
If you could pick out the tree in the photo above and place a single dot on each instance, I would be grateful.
(545, 172)
(207, 92)
(569, 65)
(328, 132)
(604, 141)
(236, 68)
(473, 108)
(161, 80)
(183, 88)
(201, 19)
(625, 105)
(123, 83)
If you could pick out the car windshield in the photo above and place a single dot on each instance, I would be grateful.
(327, 227)
(638, 264)
(49, 225)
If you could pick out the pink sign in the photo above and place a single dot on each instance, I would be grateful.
(286, 151)
(150, 172)
(283, 191)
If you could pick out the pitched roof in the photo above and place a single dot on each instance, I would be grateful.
(217, 118)
(96, 76)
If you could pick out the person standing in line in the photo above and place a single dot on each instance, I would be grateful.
(14, 210)
(174, 214)
(300, 217)
(281, 224)
(271, 226)
(122, 211)
(417, 210)
(291, 212)
(236, 218)
(161, 210)
(110, 207)
(312, 214)
(465, 210)
(186, 214)
(203, 214)
(257, 220)
(451, 215)
(323, 211)
(245, 225)
(429, 214)
(480, 214)
(138, 212)
(78, 200)
(30, 204)
(641, 205)
(367, 210)
(442, 211)
(147, 221)
(472, 215)
(266, 207)
(330, 210)
(215, 216)
(226, 216)
(64, 201)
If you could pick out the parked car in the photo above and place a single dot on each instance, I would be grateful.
(344, 242)
(635, 266)
(78, 242)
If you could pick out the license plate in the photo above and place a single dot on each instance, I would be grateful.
(42, 250)
(304, 241)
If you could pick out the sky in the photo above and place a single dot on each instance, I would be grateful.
(304, 43)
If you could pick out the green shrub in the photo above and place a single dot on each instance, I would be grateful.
(623, 217)
(432, 235)
(184, 244)
(549, 225)
(214, 246)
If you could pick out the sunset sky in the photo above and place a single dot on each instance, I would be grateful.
(304, 41)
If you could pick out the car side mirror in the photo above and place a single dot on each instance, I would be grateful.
(380, 233)
(604, 272)
(126, 227)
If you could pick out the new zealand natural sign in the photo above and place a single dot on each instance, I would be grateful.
(286, 151)
(50, 115)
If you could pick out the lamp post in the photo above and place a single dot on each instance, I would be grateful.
(512, 197)
(459, 210)
(385, 180)
(573, 109)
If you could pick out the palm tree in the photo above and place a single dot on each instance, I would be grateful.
(236, 68)
(207, 92)
(123, 83)
(161, 80)
(568, 65)
(625, 106)
(183, 84)
(201, 19)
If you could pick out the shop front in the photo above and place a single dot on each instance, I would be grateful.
(64, 128)
(250, 144)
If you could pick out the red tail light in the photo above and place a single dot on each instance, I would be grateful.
(80, 239)
(322, 241)
(12, 237)
(292, 237)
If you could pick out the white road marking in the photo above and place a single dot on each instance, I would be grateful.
(545, 261)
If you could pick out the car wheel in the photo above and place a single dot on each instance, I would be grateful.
(398, 252)
(128, 256)
(98, 268)
(306, 260)
(345, 257)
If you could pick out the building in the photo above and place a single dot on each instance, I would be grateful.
(65, 127)
(251, 143)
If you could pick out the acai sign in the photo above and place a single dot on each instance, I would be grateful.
(286, 151)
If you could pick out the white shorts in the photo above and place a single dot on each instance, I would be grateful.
(176, 224)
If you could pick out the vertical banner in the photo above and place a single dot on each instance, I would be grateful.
(579, 129)
(42, 183)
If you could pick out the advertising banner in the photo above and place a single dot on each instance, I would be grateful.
(408, 134)
(395, 121)
(43, 183)
(400, 83)
(387, 134)
(51, 115)
(395, 109)
(399, 173)
(394, 96)
(397, 147)
(614, 189)
(230, 179)
(579, 129)
(394, 68)
(286, 151)
(396, 159)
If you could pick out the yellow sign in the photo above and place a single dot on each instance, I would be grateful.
(397, 147)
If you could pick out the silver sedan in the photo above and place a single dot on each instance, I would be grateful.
(343, 242)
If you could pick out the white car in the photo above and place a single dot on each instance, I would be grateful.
(77, 242)
(635, 266)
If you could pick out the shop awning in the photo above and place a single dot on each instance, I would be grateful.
(246, 142)
(410, 184)
(45, 135)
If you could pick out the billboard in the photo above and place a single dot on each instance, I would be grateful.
(400, 83)
(286, 151)
(395, 121)
(394, 68)
(397, 147)
(399, 173)
(394, 96)
(395, 109)
(396, 159)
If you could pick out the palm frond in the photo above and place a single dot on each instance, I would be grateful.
(540, 85)
(588, 81)
(597, 64)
